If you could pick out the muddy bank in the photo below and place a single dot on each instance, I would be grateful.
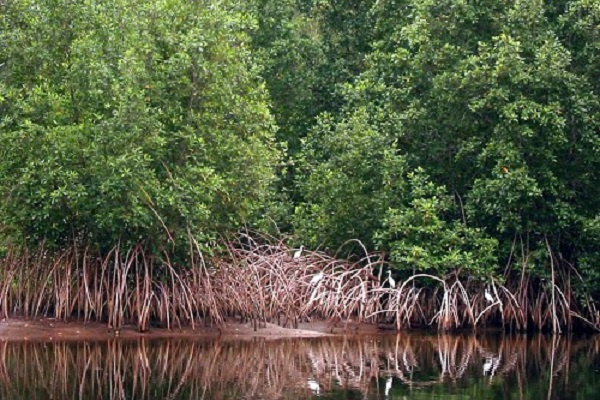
(261, 280)
(50, 329)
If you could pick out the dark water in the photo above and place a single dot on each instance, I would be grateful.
(379, 367)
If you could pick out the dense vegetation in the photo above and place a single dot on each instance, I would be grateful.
(130, 121)
(460, 137)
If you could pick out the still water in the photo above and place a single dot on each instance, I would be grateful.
(375, 367)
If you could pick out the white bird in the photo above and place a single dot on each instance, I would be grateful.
(388, 386)
(315, 279)
(298, 253)
(488, 296)
(487, 365)
(391, 280)
(314, 385)
(491, 365)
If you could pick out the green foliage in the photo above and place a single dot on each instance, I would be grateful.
(348, 175)
(355, 185)
(347, 35)
(130, 120)
(497, 102)
(447, 133)
(308, 51)
(422, 235)
(288, 46)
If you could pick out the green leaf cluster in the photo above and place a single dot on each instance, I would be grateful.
(130, 120)
(455, 135)
(493, 108)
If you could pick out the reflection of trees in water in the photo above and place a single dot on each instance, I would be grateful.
(272, 369)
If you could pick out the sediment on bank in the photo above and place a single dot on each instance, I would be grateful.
(260, 281)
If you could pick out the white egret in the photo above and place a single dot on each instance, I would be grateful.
(388, 385)
(298, 253)
(487, 365)
(391, 280)
(314, 386)
(490, 366)
(315, 279)
(488, 296)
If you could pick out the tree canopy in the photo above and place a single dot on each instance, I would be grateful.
(456, 136)
(131, 120)
(472, 126)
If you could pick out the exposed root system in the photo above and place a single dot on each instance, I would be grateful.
(261, 281)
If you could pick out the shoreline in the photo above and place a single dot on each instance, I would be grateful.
(53, 330)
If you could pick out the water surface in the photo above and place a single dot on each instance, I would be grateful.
(375, 367)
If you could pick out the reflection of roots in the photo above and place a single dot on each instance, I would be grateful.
(259, 282)
(196, 369)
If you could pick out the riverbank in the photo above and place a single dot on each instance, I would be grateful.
(136, 290)
(50, 329)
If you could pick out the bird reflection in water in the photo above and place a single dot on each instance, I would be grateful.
(373, 366)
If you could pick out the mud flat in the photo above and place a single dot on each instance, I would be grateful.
(50, 329)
